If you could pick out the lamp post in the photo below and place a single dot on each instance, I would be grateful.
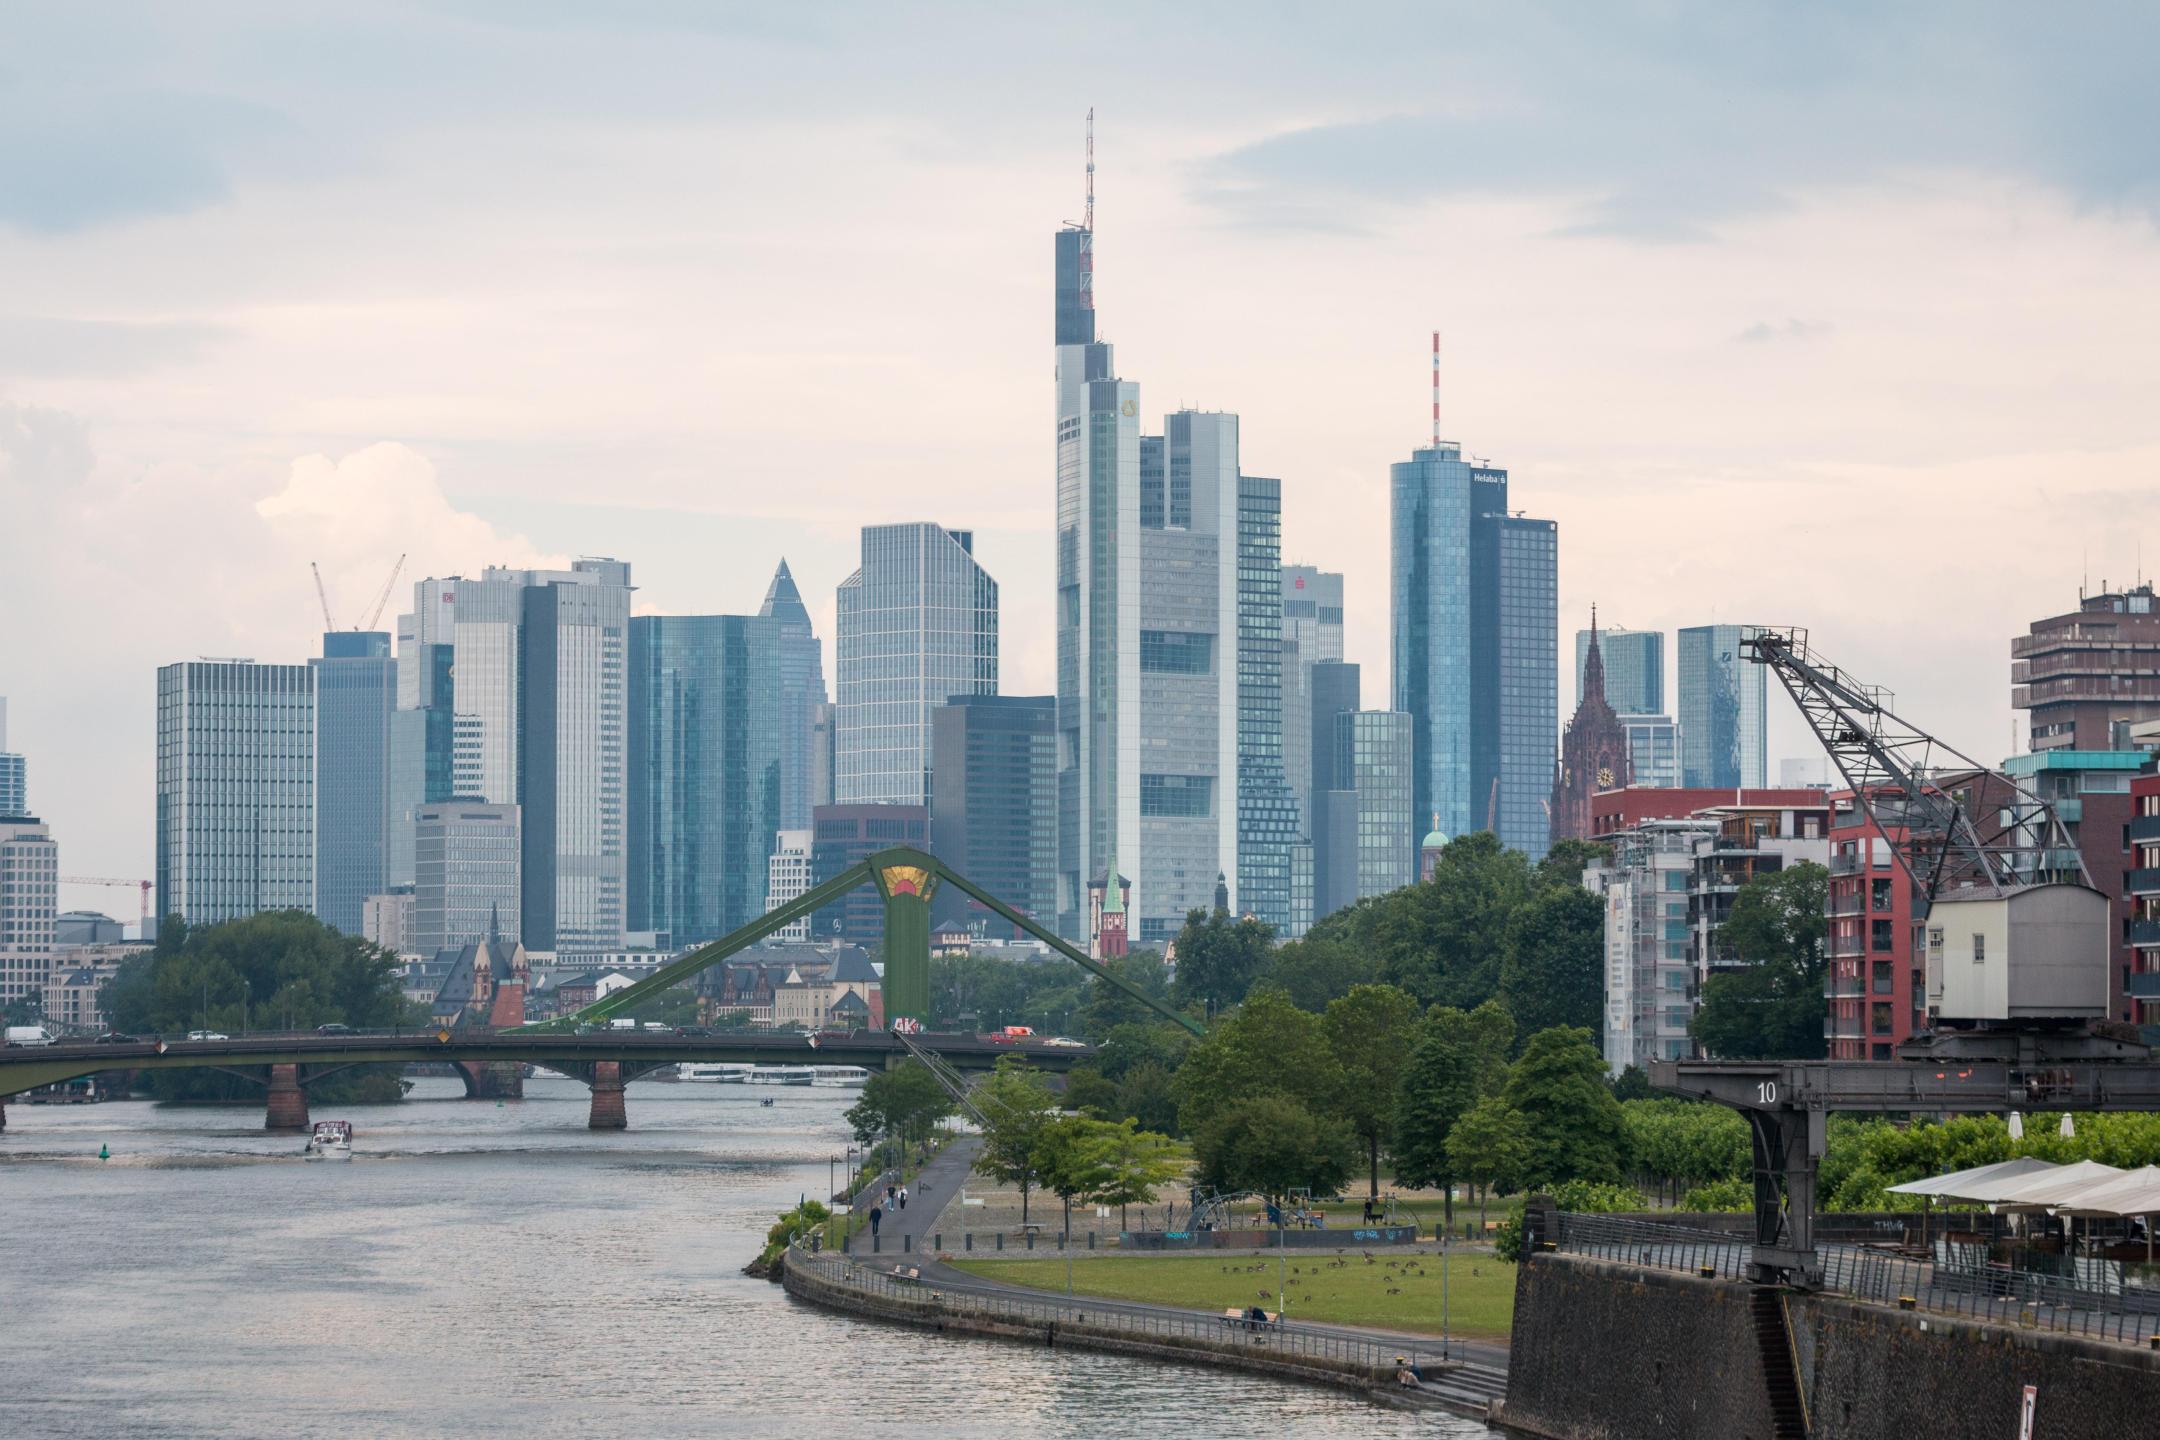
(832, 1190)
(247, 992)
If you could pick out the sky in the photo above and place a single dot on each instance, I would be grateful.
(1837, 316)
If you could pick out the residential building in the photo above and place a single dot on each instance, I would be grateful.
(1474, 629)
(1617, 810)
(1875, 977)
(467, 862)
(355, 705)
(708, 767)
(817, 1001)
(29, 901)
(1724, 739)
(387, 920)
(845, 836)
(2085, 678)
(1312, 605)
(75, 928)
(1371, 780)
(916, 625)
(2090, 791)
(993, 804)
(73, 997)
(235, 789)
(1750, 841)
(1634, 663)
(1653, 750)
(1593, 752)
(1270, 827)
(2142, 885)
(787, 877)
(14, 774)
(802, 699)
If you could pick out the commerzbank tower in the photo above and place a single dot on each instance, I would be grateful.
(1169, 701)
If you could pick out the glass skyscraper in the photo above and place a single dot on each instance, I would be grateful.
(1312, 604)
(916, 625)
(355, 704)
(708, 776)
(1269, 825)
(1724, 714)
(1374, 749)
(467, 860)
(993, 802)
(1474, 601)
(802, 698)
(14, 774)
(1634, 668)
(235, 789)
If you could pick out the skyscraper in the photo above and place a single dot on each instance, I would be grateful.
(467, 857)
(1475, 633)
(1634, 668)
(1270, 828)
(29, 900)
(802, 698)
(710, 700)
(1724, 737)
(1312, 603)
(355, 705)
(993, 801)
(916, 625)
(14, 774)
(235, 789)
(1336, 687)
(1373, 751)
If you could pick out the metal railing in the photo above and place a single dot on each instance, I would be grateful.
(1959, 1280)
(855, 1275)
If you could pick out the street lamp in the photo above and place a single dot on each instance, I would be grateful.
(247, 992)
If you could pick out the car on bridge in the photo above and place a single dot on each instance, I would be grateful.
(333, 1028)
(115, 1037)
(206, 1035)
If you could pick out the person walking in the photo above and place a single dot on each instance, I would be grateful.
(903, 1197)
(877, 1218)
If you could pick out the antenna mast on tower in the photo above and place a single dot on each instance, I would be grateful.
(1435, 389)
(1088, 222)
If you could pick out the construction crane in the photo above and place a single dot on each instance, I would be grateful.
(2016, 935)
(322, 595)
(144, 886)
(374, 614)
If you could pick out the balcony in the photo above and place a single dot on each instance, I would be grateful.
(2145, 827)
(2143, 987)
(2135, 882)
(2145, 934)
(1857, 864)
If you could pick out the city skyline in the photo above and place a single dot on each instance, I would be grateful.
(1728, 392)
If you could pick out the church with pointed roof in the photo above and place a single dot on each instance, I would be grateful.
(1593, 751)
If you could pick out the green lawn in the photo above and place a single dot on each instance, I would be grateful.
(1404, 1295)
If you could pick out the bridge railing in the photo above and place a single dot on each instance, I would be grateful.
(1958, 1280)
(1336, 1348)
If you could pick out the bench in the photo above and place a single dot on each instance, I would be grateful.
(906, 1272)
(1244, 1320)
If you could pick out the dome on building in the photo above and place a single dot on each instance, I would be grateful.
(1433, 840)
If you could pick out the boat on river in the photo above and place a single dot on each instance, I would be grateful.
(331, 1140)
(849, 1077)
(781, 1074)
(730, 1072)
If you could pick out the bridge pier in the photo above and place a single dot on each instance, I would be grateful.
(288, 1102)
(493, 1080)
(607, 1097)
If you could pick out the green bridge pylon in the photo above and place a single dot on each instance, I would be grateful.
(906, 879)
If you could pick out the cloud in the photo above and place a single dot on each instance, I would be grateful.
(1762, 332)
(54, 345)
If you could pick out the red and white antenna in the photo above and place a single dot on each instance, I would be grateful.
(1435, 387)
(1088, 223)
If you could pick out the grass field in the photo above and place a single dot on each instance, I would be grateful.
(1395, 1291)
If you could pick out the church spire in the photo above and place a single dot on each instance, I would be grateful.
(1593, 670)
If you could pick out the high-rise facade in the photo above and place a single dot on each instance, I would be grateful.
(993, 801)
(845, 835)
(787, 877)
(355, 707)
(235, 789)
(1335, 690)
(1724, 735)
(709, 702)
(467, 859)
(2085, 678)
(29, 903)
(916, 625)
(14, 774)
(1474, 603)
(1374, 749)
(1653, 745)
(1270, 828)
(1634, 668)
(801, 699)
(1312, 604)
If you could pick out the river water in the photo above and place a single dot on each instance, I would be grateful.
(483, 1269)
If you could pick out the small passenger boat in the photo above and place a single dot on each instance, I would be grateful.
(332, 1140)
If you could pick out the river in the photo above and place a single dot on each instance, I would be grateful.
(483, 1269)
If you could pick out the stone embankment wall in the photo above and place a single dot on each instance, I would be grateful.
(1604, 1351)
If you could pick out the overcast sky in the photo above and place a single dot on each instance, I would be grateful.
(1817, 315)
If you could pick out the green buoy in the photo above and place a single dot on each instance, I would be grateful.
(104, 1152)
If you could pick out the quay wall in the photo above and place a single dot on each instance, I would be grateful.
(1608, 1351)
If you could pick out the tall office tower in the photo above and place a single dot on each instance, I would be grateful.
(1374, 751)
(14, 774)
(421, 731)
(1634, 668)
(1475, 624)
(1336, 688)
(917, 625)
(1653, 744)
(29, 905)
(1312, 604)
(355, 706)
(467, 856)
(824, 725)
(993, 802)
(1724, 740)
(787, 877)
(2085, 678)
(573, 780)
(709, 701)
(235, 789)
(1269, 824)
(802, 697)
(846, 835)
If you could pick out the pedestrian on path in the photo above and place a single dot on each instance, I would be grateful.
(903, 1197)
(877, 1217)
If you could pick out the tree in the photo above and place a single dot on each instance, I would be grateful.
(1565, 860)
(1107, 1007)
(1574, 1124)
(1370, 1032)
(281, 969)
(1273, 1144)
(1554, 970)
(1268, 1046)
(1128, 1045)
(1318, 969)
(1072, 1159)
(1017, 1105)
(1458, 1059)
(1137, 1163)
(1490, 1145)
(903, 1102)
(1442, 940)
(1632, 1084)
(1145, 1097)
(1219, 958)
(1772, 1007)
(1091, 1092)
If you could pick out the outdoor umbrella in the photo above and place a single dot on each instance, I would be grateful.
(2058, 1187)
(1982, 1183)
(2135, 1192)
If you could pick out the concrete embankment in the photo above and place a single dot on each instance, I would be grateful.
(842, 1285)
(1609, 1351)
